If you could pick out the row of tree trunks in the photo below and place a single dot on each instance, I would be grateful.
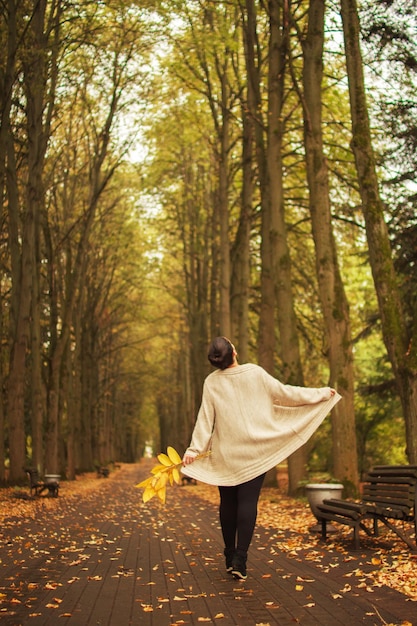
(401, 351)
(49, 231)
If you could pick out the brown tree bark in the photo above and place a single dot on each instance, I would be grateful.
(20, 245)
(399, 344)
(292, 371)
(20, 333)
(240, 282)
(277, 302)
(2, 412)
(7, 78)
(266, 327)
(36, 352)
(333, 299)
(40, 70)
(224, 147)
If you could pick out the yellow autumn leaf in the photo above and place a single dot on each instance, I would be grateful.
(148, 493)
(299, 587)
(161, 493)
(164, 459)
(174, 456)
(176, 475)
(161, 481)
(144, 483)
(158, 468)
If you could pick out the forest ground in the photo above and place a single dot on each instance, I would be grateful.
(393, 564)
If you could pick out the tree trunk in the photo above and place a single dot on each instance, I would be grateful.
(266, 328)
(19, 349)
(276, 293)
(292, 371)
(7, 78)
(38, 108)
(20, 260)
(37, 396)
(2, 420)
(333, 299)
(225, 320)
(70, 414)
(21, 295)
(241, 250)
(402, 354)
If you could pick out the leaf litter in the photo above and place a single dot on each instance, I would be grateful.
(287, 519)
(394, 566)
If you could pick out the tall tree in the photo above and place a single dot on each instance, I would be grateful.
(389, 28)
(276, 297)
(39, 74)
(333, 299)
(398, 342)
(190, 242)
(207, 52)
(255, 69)
(98, 83)
(240, 281)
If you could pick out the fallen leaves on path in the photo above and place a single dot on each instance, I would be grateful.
(394, 566)
(288, 522)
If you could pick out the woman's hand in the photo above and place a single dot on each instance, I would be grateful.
(188, 459)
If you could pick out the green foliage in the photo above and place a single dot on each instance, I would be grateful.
(134, 251)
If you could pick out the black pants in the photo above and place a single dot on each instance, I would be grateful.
(238, 511)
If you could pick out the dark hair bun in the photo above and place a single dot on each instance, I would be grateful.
(220, 353)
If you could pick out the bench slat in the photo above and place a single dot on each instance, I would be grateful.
(403, 494)
(406, 481)
(344, 504)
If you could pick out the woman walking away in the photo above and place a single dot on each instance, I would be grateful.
(251, 422)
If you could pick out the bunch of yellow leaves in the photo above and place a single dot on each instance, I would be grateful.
(168, 471)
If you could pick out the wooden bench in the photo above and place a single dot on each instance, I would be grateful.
(38, 486)
(389, 493)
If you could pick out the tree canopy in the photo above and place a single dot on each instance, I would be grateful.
(173, 170)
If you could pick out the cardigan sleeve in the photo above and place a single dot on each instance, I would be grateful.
(203, 429)
(291, 395)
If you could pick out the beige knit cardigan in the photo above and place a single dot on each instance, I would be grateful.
(251, 422)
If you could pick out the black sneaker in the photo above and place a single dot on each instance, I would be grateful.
(229, 553)
(239, 567)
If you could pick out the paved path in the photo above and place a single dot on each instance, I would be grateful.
(108, 560)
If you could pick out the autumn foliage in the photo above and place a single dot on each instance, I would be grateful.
(167, 472)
